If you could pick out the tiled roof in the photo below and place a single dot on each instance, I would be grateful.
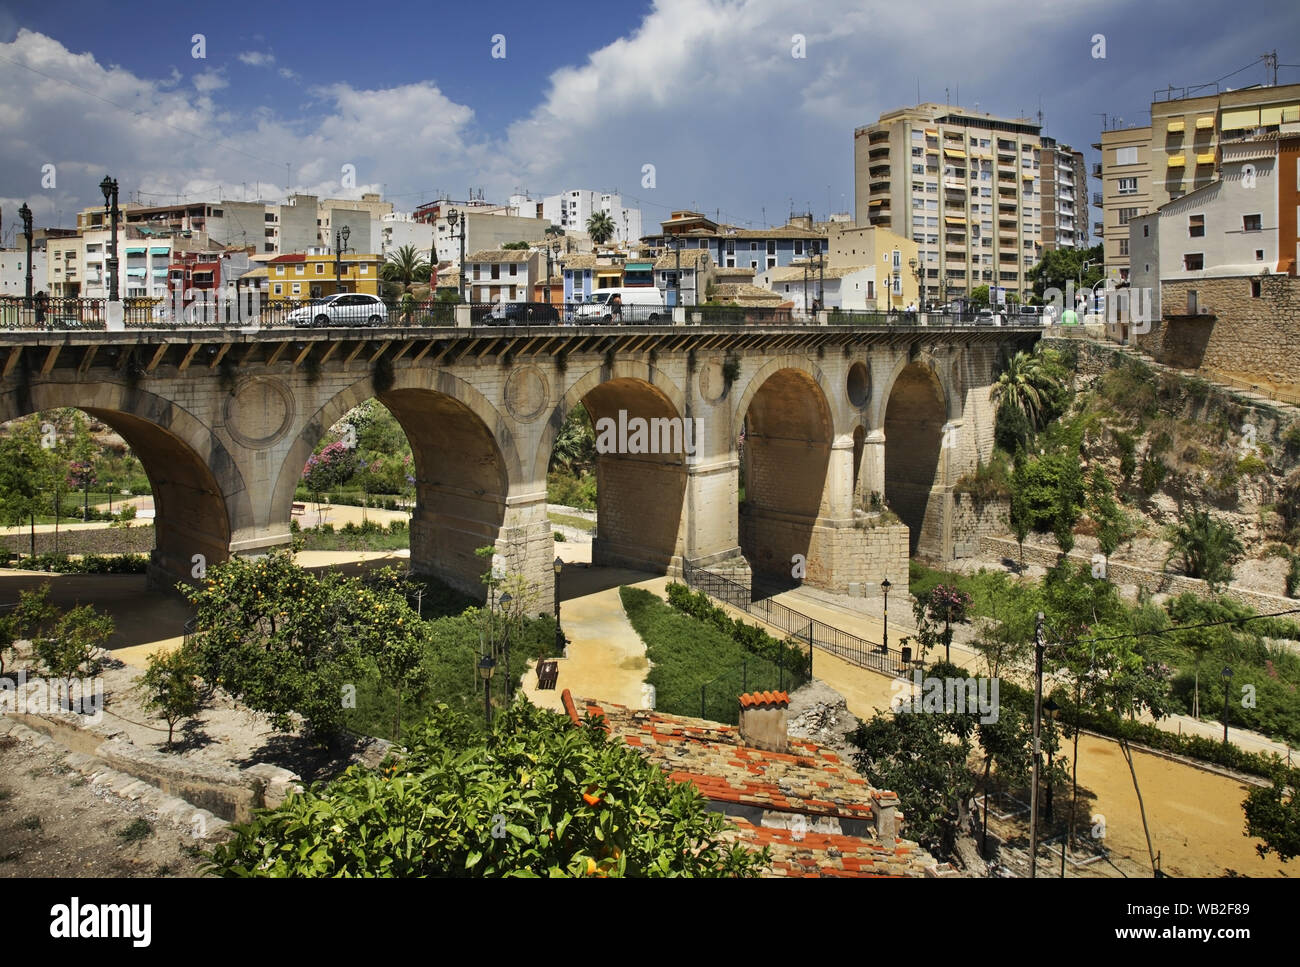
(785, 231)
(819, 794)
(795, 273)
(580, 262)
(500, 255)
(690, 256)
(765, 700)
(744, 292)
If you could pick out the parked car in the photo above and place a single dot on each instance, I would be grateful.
(613, 305)
(341, 309)
(522, 314)
(987, 317)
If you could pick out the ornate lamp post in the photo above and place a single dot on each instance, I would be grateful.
(109, 187)
(1227, 678)
(340, 246)
(25, 214)
(486, 665)
(884, 587)
(453, 218)
(559, 634)
(505, 643)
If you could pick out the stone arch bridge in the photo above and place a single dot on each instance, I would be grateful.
(836, 422)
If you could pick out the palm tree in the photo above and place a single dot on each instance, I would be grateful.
(1020, 386)
(600, 227)
(1207, 547)
(406, 266)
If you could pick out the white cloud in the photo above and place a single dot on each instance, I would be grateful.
(209, 81)
(257, 58)
(288, 74)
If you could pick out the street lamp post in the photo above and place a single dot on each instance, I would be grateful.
(486, 665)
(453, 219)
(505, 643)
(1227, 677)
(559, 634)
(109, 187)
(25, 214)
(884, 587)
(1040, 645)
(916, 274)
(1052, 710)
(340, 246)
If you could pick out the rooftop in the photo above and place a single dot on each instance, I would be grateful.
(500, 255)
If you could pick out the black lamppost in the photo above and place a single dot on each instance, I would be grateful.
(453, 218)
(25, 214)
(916, 273)
(505, 643)
(340, 246)
(884, 587)
(1052, 710)
(559, 634)
(1227, 677)
(109, 187)
(486, 665)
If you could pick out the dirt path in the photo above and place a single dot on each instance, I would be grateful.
(55, 823)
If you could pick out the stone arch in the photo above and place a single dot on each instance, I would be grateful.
(200, 496)
(939, 370)
(623, 369)
(915, 413)
(789, 436)
(640, 495)
(465, 459)
(764, 372)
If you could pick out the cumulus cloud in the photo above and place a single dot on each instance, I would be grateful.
(209, 81)
(257, 58)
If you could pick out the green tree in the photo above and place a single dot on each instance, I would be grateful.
(72, 649)
(24, 471)
(1273, 815)
(538, 797)
(1207, 548)
(173, 687)
(516, 246)
(979, 296)
(1113, 525)
(1047, 496)
(936, 612)
(1059, 267)
(600, 226)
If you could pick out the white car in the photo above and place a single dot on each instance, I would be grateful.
(635, 304)
(343, 309)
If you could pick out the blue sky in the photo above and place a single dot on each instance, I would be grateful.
(588, 93)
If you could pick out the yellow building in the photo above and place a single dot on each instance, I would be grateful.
(308, 276)
(1144, 168)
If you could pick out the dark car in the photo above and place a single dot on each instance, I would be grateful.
(522, 314)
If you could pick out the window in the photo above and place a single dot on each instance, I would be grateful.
(1255, 286)
(918, 169)
(1126, 156)
(1128, 186)
(1259, 255)
(1250, 223)
(299, 269)
(279, 270)
(1127, 214)
(1146, 231)
(1123, 246)
(496, 271)
(798, 246)
(753, 264)
(771, 261)
(278, 288)
(1196, 226)
(297, 288)
(771, 248)
(1194, 262)
(753, 246)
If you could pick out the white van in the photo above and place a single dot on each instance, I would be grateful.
(642, 303)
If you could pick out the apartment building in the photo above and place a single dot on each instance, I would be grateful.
(1064, 177)
(312, 274)
(1179, 152)
(965, 186)
(502, 275)
(13, 270)
(571, 209)
(756, 249)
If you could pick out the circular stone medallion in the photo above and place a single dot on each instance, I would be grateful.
(526, 393)
(259, 413)
(712, 383)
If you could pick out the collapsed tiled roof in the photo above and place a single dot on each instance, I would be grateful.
(813, 809)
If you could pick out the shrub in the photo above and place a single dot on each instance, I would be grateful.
(538, 798)
(173, 687)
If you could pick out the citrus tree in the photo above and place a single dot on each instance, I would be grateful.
(536, 797)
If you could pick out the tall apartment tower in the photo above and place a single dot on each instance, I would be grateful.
(1144, 168)
(963, 185)
(1065, 197)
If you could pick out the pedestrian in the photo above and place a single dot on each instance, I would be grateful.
(40, 300)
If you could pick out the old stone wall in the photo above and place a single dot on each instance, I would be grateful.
(1236, 332)
(973, 520)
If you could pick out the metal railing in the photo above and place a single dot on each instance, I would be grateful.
(851, 648)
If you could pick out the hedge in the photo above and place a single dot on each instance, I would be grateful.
(793, 658)
(90, 564)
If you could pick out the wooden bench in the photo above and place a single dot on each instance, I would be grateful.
(547, 673)
(299, 508)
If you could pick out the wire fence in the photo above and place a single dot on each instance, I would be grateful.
(842, 644)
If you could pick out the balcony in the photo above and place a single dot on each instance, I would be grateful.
(878, 153)
(1098, 228)
(1096, 199)
(877, 137)
(879, 187)
(879, 169)
(1096, 170)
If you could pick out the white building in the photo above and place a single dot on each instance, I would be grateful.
(502, 275)
(13, 270)
(397, 229)
(841, 287)
(570, 210)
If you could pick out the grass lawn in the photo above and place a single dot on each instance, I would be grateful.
(688, 655)
(568, 520)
